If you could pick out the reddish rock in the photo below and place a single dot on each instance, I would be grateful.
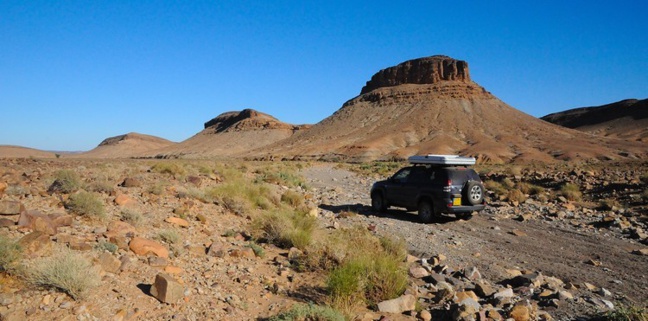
(119, 228)
(5, 222)
(109, 263)
(123, 200)
(216, 249)
(177, 221)
(141, 246)
(36, 243)
(37, 221)
(11, 208)
(167, 289)
(243, 252)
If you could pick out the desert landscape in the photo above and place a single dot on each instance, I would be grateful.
(253, 218)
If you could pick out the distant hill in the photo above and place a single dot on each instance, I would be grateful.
(431, 105)
(126, 146)
(626, 119)
(231, 134)
(8, 151)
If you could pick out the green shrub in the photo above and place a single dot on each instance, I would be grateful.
(310, 312)
(131, 217)
(10, 253)
(87, 204)
(101, 186)
(286, 228)
(66, 270)
(241, 197)
(258, 250)
(372, 270)
(169, 236)
(530, 189)
(495, 187)
(609, 204)
(294, 199)
(571, 192)
(171, 168)
(106, 246)
(65, 181)
(157, 188)
(626, 313)
(515, 195)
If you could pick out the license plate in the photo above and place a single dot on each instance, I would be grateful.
(456, 202)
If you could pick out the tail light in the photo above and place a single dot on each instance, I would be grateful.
(448, 187)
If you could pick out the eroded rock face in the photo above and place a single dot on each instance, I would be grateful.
(428, 70)
(247, 119)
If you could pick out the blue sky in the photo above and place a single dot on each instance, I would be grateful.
(73, 73)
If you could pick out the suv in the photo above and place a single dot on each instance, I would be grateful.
(433, 185)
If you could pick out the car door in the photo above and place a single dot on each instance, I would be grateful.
(395, 189)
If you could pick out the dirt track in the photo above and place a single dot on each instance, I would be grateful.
(494, 242)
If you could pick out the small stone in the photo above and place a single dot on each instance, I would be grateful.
(11, 208)
(173, 269)
(399, 305)
(123, 200)
(418, 272)
(141, 246)
(506, 293)
(109, 263)
(131, 182)
(565, 295)
(155, 261)
(177, 221)
(604, 292)
(484, 289)
(425, 315)
(520, 313)
(518, 233)
(167, 289)
(641, 252)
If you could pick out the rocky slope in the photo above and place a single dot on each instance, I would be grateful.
(231, 134)
(626, 119)
(430, 105)
(126, 146)
(8, 151)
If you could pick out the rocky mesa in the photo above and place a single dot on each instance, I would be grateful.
(431, 105)
(126, 146)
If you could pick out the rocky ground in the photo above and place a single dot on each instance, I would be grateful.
(538, 259)
(568, 259)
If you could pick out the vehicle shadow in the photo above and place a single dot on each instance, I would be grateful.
(396, 214)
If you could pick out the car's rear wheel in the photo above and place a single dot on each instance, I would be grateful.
(425, 211)
(378, 203)
(473, 192)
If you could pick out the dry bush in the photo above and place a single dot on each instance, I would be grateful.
(172, 168)
(626, 313)
(310, 312)
(292, 198)
(169, 236)
(372, 270)
(609, 204)
(131, 216)
(10, 253)
(515, 195)
(65, 181)
(66, 270)
(285, 228)
(508, 183)
(157, 188)
(87, 204)
(531, 189)
(571, 192)
(495, 187)
(101, 186)
(242, 196)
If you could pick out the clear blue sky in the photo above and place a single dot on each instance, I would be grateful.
(75, 72)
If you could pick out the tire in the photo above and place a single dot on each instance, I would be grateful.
(425, 211)
(378, 203)
(473, 193)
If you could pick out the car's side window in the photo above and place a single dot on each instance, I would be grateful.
(402, 175)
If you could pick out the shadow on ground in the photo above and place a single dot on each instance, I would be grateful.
(396, 214)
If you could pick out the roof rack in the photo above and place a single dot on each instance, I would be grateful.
(451, 160)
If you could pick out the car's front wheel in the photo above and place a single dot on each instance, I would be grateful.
(425, 211)
(378, 203)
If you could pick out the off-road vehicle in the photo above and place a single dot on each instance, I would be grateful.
(433, 185)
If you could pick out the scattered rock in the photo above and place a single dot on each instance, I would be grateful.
(109, 263)
(167, 289)
(131, 182)
(177, 221)
(401, 304)
(11, 208)
(141, 246)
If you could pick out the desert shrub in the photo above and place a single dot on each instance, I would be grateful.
(514, 170)
(17, 190)
(66, 270)
(258, 250)
(377, 168)
(157, 188)
(571, 192)
(101, 186)
(131, 216)
(310, 312)
(293, 199)
(508, 183)
(531, 189)
(281, 176)
(65, 181)
(347, 213)
(10, 253)
(496, 187)
(285, 228)
(609, 204)
(626, 313)
(106, 246)
(515, 195)
(169, 236)
(241, 196)
(171, 168)
(371, 271)
(87, 204)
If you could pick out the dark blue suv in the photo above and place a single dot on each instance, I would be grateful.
(432, 190)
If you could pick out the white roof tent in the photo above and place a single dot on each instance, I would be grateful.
(448, 160)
